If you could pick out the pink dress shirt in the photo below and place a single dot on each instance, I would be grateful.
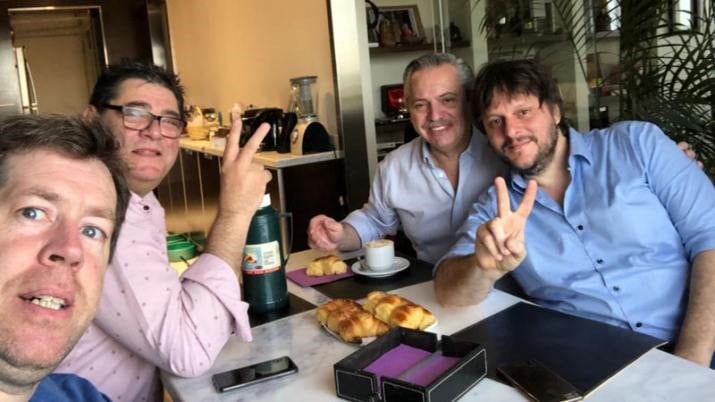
(149, 317)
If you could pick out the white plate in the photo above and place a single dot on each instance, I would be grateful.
(400, 264)
(366, 340)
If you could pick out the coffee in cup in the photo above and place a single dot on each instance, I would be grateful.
(380, 254)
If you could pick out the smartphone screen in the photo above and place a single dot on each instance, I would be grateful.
(254, 373)
(539, 383)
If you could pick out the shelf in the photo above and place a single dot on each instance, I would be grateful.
(415, 48)
(524, 40)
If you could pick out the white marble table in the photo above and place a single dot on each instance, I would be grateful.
(656, 376)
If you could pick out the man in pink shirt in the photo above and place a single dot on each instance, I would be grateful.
(149, 317)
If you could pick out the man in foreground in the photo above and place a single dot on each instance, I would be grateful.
(62, 200)
(148, 316)
(615, 225)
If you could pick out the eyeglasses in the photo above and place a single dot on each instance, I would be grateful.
(138, 118)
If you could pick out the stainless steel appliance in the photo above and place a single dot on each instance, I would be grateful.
(278, 139)
(309, 135)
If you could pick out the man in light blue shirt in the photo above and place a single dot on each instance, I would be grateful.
(426, 186)
(621, 228)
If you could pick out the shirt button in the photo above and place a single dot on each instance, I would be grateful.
(639, 324)
(599, 261)
(579, 227)
(616, 289)
(146, 207)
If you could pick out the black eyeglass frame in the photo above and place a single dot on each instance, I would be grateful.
(120, 109)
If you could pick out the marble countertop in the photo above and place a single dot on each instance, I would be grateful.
(656, 376)
(269, 159)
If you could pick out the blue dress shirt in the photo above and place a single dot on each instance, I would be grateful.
(635, 215)
(410, 191)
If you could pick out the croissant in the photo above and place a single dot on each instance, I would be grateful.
(398, 311)
(349, 320)
(327, 265)
(361, 325)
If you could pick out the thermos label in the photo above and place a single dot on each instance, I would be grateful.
(259, 259)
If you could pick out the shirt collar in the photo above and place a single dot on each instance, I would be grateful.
(578, 146)
(149, 199)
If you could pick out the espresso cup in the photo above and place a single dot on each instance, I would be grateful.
(380, 254)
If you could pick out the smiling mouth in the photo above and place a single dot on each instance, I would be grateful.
(46, 301)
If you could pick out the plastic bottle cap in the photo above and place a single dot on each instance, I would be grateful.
(266, 201)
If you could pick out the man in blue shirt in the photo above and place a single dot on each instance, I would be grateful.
(620, 228)
(62, 200)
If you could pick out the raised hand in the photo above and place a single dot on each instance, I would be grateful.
(500, 241)
(243, 182)
(324, 233)
(685, 147)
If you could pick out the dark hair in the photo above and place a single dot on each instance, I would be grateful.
(432, 60)
(515, 77)
(69, 136)
(107, 86)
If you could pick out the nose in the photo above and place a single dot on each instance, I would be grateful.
(434, 111)
(153, 130)
(63, 248)
(510, 128)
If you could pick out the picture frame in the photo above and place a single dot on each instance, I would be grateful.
(406, 17)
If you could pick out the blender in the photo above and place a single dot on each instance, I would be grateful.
(308, 135)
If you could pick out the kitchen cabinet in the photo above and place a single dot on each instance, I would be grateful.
(303, 186)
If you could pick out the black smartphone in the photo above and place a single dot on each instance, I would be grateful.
(539, 383)
(254, 373)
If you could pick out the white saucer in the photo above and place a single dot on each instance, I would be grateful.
(400, 264)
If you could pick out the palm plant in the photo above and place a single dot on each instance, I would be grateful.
(666, 70)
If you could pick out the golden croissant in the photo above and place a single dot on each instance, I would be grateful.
(327, 265)
(346, 318)
(398, 311)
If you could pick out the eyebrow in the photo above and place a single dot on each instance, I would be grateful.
(167, 112)
(100, 212)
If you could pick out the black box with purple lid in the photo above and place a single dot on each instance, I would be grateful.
(408, 365)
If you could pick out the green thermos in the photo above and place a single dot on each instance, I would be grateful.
(263, 267)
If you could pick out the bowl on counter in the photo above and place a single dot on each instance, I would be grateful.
(181, 250)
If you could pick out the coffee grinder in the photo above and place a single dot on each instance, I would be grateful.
(308, 135)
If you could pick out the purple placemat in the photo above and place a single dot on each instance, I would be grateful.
(301, 278)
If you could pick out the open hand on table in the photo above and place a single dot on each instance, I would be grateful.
(500, 241)
(324, 233)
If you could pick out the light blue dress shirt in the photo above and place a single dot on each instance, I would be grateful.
(635, 215)
(411, 192)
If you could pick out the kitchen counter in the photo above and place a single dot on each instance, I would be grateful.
(296, 179)
(654, 376)
(269, 159)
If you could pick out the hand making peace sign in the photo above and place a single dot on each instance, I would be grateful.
(500, 241)
(243, 182)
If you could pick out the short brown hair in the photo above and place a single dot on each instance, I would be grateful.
(515, 77)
